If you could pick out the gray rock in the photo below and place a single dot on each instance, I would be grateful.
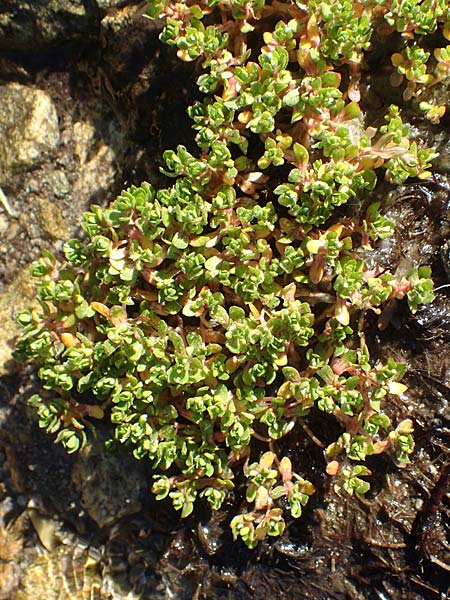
(28, 128)
(33, 24)
(105, 4)
(111, 485)
(59, 183)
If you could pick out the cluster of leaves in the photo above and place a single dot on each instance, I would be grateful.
(416, 66)
(212, 317)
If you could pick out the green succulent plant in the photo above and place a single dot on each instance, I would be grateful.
(208, 319)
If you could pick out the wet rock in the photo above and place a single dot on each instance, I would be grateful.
(34, 24)
(111, 485)
(421, 216)
(433, 320)
(48, 530)
(29, 128)
(445, 257)
(286, 547)
(68, 572)
(211, 534)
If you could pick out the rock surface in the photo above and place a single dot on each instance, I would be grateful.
(26, 24)
(28, 128)
(111, 485)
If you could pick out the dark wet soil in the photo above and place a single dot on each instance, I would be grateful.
(393, 546)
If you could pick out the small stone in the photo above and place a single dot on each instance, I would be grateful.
(111, 485)
(83, 139)
(4, 224)
(58, 183)
(29, 128)
(97, 173)
(52, 220)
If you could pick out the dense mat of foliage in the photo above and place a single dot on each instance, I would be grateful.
(209, 319)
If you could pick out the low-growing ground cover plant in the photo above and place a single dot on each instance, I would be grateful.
(209, 319)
